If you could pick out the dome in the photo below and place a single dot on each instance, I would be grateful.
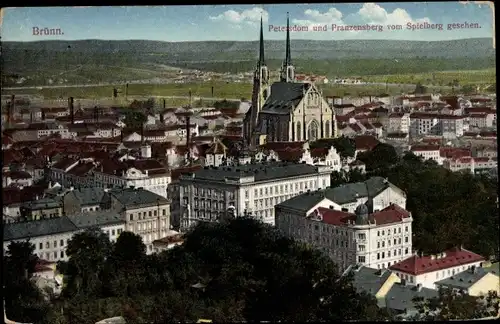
(361, 210)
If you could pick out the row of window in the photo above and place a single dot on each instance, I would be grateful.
(143, 215)
(398, 241)
(265, 192)
(381, 255)
(383, 232)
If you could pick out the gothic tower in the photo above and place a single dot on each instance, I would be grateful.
(260, 83)
(287, 73)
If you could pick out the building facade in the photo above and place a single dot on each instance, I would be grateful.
(286, 110)
(359, 223)
(251, 189)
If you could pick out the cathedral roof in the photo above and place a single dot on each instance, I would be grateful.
(284, 96)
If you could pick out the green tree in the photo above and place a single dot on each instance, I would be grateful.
(87, 252)
(452, 305)
(346, 147)
(382, 156)
(23, 301)
(134, 119)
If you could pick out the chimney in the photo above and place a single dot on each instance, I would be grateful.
(164, 104)
(212, 91)
(188, 135)
(71, 110)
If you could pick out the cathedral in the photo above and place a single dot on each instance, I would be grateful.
(286, 111)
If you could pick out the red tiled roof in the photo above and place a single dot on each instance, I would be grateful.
(16, 196)
(389, 215)
(355, 127)
(479, 110)
(365, 142)
(290, 154)
(282, 145)
(417, 265)
(421, 148)
(422, 115)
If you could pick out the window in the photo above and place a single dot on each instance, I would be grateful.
(399, 229)
(61, 243)
(378, 233)
(40, 246)
(119, 231)
(378, 245)
(378, 256)
(131, 217)
(388, 254)
(361, 259)
(47, 245)
(113, 232)
(55, 243)
(383, 233)
(406, 228)
(62, 254)
(55, 255)
(383, 255)
(395, 242)
(406, 239)
(399, 241)
(149, 213)
(406, 251)
(383, 243)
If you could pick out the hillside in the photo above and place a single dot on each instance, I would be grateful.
(234, 50)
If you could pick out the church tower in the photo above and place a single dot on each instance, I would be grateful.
(287, 73)
(260, 83)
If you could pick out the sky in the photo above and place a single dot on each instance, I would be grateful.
(233, 22)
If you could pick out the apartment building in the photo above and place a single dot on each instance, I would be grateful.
(251, 189)
(358, 223)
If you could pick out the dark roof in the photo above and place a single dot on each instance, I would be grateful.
(464, 279)
(284, 96)
(96, 218)
(341, 195)
(44, 203)
(88, 196)
(131, 197)
(261, 172)
(51, 226)
(369, 280)
(400, 297)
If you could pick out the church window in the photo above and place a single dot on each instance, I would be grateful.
(327, 129)
(312, 133)
(299, 132)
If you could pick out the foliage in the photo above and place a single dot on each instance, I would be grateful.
(240, 270)
(23, 301)
(339, 178)
(134, 119)
(224, 104)
(345, 146)
(452, 305)
(420, 89)
(382, 156)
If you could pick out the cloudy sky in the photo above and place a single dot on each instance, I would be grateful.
(227, 22)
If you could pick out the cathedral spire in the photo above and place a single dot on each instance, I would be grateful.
(262, 61)
(288, 57)
(287, 70)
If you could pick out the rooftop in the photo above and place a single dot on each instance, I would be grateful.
(346, 193)
(36, 228)
(417, 265)
(465, 279)
(44, 203)
(261, 172)
(96, 218)
(131, 197)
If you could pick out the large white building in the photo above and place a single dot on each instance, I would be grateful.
(358, 223)
(449, 126)
(50, 236)
(212, 192)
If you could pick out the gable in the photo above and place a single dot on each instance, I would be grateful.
(313, 90)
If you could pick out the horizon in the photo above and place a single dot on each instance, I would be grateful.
(242, 41)
(197, 23)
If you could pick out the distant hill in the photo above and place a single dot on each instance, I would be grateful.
(234, 50)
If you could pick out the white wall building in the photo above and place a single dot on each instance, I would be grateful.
(399, 123)
(428, 152)
(426, 270)
(211, 192)
(358, 223)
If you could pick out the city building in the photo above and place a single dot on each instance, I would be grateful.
(427, 270)
(146, 214)
(358, 223)
(475, 281)
(41, 208)
(251, 189)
